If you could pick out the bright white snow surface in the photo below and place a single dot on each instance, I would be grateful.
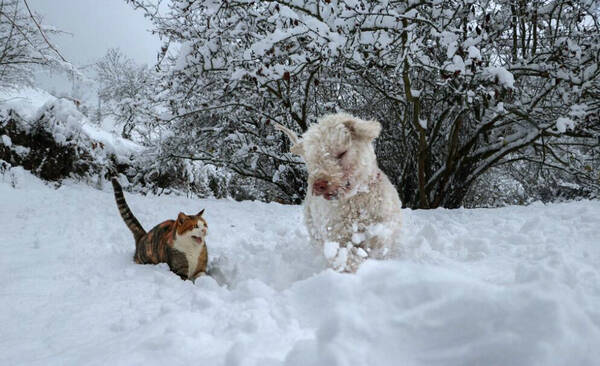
(511, 286)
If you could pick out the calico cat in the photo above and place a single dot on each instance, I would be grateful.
(179, 243)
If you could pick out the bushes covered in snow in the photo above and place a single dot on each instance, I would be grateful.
(57, 141)
(460, 87)
(51, 150)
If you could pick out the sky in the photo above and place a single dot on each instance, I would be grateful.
(92, 27)
(97, 25)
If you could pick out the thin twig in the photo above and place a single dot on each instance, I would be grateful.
(42, 32)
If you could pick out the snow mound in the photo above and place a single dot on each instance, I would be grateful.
(510, 286)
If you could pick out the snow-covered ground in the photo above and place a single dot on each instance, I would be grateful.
(511, 286)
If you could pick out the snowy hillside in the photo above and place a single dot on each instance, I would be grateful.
(512, 286)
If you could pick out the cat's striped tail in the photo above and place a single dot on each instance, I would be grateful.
(132, 223)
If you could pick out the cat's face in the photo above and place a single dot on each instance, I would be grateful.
(193, 227)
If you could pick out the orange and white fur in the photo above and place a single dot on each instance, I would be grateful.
(180, 243)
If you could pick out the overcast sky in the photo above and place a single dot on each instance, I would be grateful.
(97, 25)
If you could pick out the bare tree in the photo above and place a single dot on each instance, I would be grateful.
(126, 93)
(23, 43)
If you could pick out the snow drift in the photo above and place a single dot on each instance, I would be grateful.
(511, 286)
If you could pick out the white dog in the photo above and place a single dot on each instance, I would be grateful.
(351, 209)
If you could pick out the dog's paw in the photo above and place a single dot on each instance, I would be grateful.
(336, 256)
(344, 259)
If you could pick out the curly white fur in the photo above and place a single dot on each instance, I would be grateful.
(351, 208)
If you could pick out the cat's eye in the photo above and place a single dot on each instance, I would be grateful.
(341, 155)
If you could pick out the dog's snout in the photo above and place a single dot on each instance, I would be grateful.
(320, 186)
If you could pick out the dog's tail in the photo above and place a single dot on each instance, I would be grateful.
(297, 145)
(132, 223)
(290, 134)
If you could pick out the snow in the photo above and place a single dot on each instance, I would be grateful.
(121, 146)
(182, 59)
(500, 107)
(25, 101)
(330, 249)
(6, 141)
(510, 286)
(450, 40)
(474, 53)
(564, 123)
(65, 120)
(579, 110)
(500, 75)
(457, 65)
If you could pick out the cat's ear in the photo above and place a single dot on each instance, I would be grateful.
(181, 218)
(200, 213)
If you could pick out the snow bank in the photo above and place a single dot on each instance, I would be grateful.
(511, 286)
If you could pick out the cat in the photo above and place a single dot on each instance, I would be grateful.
(180, 243)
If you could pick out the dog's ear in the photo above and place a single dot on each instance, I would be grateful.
(297, 145)
(363, 130)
